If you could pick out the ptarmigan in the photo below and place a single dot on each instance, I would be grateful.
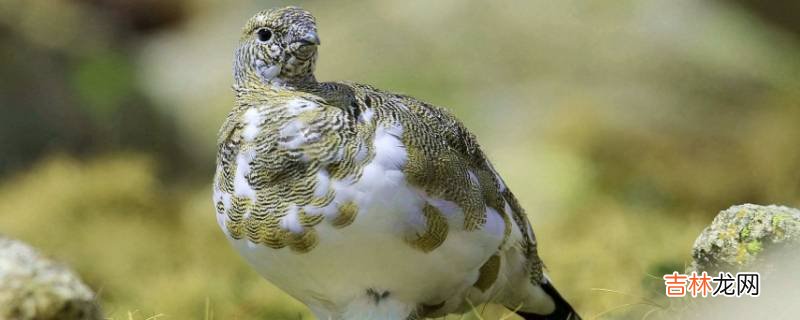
(365, 204)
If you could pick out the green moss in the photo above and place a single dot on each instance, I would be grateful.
(778, 220)
(745, 233)
(754, 247)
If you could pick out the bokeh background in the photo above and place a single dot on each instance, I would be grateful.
(622, 126)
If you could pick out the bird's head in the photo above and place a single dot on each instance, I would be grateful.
(278, 46)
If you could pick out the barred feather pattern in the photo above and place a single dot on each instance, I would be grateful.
(279, 147)
(279, 144)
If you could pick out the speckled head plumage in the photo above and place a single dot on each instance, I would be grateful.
(277, 46)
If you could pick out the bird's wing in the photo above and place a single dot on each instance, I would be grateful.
(276, 158)
(444, 161)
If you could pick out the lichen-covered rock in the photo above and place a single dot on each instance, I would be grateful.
(747, 238)
(738, 237)
(33, 287)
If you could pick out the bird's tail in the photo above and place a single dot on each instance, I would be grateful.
(563, 310)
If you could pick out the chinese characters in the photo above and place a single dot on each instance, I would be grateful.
(725, 284)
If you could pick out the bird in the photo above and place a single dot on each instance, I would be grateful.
(362, 203)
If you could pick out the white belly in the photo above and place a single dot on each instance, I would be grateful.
(371, 254)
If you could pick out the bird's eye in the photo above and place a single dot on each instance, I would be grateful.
(264, 35)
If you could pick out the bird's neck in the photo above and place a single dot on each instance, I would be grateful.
(306, 80)
(252, 82)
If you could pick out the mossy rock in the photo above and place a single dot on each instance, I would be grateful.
(33, 287)
(739, 236)
(747, 238)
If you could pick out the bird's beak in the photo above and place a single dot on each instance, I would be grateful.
(309, 39)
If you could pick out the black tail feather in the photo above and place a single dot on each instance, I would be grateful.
(563, 310)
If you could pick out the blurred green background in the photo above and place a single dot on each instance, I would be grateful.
(622, 126)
